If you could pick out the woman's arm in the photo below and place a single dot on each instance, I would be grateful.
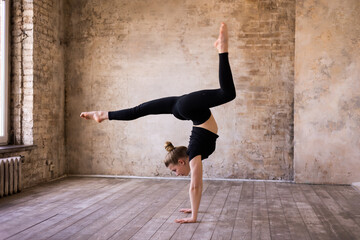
(195, 190)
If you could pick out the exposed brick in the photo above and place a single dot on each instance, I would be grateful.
(32, 121)
(255, 130)
(107, 39)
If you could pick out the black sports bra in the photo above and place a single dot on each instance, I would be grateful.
(202, 142)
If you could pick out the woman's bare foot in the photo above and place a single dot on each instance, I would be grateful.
(221, 43)
(98, 116)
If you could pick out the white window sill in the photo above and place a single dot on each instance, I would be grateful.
(16, 148)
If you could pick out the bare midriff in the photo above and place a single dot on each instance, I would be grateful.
(209, 125)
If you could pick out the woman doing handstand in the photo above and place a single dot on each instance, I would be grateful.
(194, 106)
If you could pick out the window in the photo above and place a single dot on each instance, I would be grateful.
(4, 71)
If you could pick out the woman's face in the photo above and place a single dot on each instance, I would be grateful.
(180, 169)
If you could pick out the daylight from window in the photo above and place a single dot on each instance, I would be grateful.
(3, 84)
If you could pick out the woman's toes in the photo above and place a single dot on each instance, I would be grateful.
(86, 115)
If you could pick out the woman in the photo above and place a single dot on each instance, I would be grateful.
(195, 107)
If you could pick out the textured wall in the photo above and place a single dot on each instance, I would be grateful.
(327, 99)
(37, 88)
(49, 89)
(22, 80)
(121, 53)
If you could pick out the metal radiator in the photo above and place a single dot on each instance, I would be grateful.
(10, 175)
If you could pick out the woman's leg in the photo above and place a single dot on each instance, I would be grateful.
(195, 106)
(158, 106)
(214, 97)
(190, 105)
(193, 103)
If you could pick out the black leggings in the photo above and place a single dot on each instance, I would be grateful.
(194, 106)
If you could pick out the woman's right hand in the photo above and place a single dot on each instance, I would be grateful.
(185, 210)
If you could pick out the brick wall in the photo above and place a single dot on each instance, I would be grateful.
(22, 72)
(265, 89)
(121, 53)
(37, 87)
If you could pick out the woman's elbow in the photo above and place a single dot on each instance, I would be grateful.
(195, 187)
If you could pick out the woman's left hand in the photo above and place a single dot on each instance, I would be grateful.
(185, 220)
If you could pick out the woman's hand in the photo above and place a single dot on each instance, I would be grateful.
(186, 220)
(185, 210)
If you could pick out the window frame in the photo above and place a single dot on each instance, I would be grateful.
(5, 54)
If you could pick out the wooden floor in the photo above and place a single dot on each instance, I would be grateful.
(104, 208)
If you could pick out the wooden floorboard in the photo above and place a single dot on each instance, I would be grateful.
(212, 215)
(151, 205)
(341, 215)
(352, 210)
(260, 226)
(244, 213)
(330, 223)
(226, 221)
(37, 197)
(169, 227)
(162, 214)
(105, 208)
(125, 212)
(43, 211)
(279, 228)
(186, 231)
(297, 227)
(72, 209)
(314, 225)
(94, 213)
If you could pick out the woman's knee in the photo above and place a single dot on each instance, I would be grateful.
(233, 95)
(230, 95)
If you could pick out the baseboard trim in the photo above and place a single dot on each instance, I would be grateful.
(356, 185)
(178, 178)
(58, 178)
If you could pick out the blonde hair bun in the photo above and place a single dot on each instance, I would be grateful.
(169, 147)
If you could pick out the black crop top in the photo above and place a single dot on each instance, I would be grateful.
(202, 142)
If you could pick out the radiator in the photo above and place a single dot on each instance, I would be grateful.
(10, 175)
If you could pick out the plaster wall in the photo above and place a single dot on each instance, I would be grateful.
(327, 91)
(122, 53)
